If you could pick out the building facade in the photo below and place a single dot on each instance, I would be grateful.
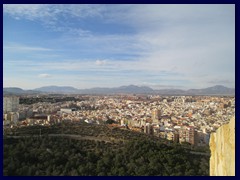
(10, 104)
(156, 113)
(187, 134)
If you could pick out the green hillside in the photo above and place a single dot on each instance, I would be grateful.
(95, 150)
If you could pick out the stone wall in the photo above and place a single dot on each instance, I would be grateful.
(222, 146)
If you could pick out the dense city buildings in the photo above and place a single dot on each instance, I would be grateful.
(180, 119)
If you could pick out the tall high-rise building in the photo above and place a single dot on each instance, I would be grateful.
(187, 134)
(148, 128)
(156, 113)
(10, 104)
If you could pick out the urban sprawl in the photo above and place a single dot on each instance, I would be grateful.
(181, 119)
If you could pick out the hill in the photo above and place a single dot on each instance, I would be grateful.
(17, 91)
(131, 89)
(57, 89)
(95, 150)
(215, 90)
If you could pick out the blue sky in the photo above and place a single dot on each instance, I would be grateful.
(85, 46)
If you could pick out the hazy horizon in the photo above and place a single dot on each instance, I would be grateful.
(159, 88)
(85, 46)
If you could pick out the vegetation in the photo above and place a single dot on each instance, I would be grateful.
(127, 154)
(33, 100)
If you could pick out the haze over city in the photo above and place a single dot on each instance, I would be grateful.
(85, 46)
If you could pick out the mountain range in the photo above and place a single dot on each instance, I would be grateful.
(131, 89)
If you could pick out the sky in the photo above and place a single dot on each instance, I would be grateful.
(161, 45)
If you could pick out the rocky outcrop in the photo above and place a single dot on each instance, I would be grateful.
(222, 146)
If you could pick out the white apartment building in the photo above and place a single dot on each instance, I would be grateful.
(10, 104)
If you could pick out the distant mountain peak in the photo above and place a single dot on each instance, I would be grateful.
(13, 88)
(218, 87)
(132, 89)
(56, 89)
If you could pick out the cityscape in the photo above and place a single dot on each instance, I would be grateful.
(176, 118)
(118, 90)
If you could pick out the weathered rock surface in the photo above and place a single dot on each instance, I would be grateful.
(222, 145)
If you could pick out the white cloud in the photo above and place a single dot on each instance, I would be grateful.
(43, 10)
(20, 47)
(49, 14)
(55, 16)
(29, 11)
(186, 39)
(100, 62)
(44, 76)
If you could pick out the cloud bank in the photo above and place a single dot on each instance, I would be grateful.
(191, 46)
